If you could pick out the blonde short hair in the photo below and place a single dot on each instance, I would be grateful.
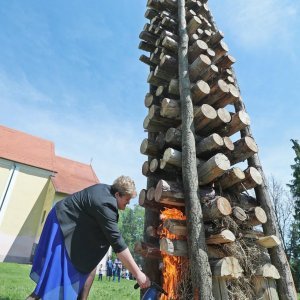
(124, 185)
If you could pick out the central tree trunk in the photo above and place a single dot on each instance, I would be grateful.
(200, 268)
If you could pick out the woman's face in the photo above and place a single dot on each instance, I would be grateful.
(122, 201)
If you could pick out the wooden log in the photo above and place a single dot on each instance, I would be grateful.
(146, 46)
(149, 148)
(243, 149)
(203, 115)
(151, 193)
(269, 241)
(226, 62)
(146, 60)
(147, 250)
(216, 38)
(170, 108)
(173, 87)
(222, 119)
(177, 227)
(173, 138)
(169, 4)
(218, 91)
(228, 144)
(154, 165)
(150, 13)
(199, 67)
(155, 4)
(256, 216)
(199, 90)
(210, 74)
(169, 192)
(142, 197)
(173, 157)
(193, 38)
(251, 180)
(225, 236)
(190, 14)
(220, 49)
(199, 47)
(153, 126)
(148, 37)
(215, 252)
(245, 201)
(151, 231)
(239, 121)
(156, 81)
(216, 209)
(211, 53)
(154, 114)
(170, 44)
(164, 74)
(227, 267)
(239, 215)
(267, 271)
(197, 251)
(193, 25)
(154, 57)
(170, 169)
(173, 247)
(265, 288)
(231, 97)
(212, 169)
(169, 64)
(169, 23)
(150, 100)
(205, 35)
(220, 290)
(145, 169)
(230, 178)
(209, 145)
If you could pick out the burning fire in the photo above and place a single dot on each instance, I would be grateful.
(173, 266)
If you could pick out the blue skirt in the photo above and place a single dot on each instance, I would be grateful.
(52, 270)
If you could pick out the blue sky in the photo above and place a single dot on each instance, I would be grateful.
(70, 73)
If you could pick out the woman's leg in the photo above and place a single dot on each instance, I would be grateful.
(87, 286)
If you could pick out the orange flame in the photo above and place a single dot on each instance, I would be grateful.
(172, 265)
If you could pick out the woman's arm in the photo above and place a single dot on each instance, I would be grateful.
(128, 261)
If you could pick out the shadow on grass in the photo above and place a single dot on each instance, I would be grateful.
(4, 298)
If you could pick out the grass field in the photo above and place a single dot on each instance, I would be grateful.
(15, 284)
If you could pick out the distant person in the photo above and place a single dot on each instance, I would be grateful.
(100, 273)
(119, 271)
(109, 266)
(114, 271)
(76, 236)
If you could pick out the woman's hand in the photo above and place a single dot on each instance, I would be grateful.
(143, 280)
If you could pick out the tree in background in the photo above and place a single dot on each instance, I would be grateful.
(295, 230)
(284, 208)
(131, 225)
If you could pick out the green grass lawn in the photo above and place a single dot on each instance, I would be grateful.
(15, 284)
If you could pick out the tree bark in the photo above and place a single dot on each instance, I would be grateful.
(200, 268)
(286, 286)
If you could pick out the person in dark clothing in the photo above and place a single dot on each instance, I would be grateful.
(100, 273)
(76, 236)
(109, 265)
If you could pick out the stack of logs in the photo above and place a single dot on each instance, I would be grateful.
(224, 177)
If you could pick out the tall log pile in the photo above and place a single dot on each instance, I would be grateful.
(236, 245)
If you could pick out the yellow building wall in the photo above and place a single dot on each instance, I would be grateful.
(23, 210)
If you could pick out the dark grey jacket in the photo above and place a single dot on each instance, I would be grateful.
(88, 220)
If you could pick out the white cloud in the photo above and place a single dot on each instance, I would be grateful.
(112, 143)
(256, 23)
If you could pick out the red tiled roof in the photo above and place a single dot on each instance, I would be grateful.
(25, 148)
(72, 176)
